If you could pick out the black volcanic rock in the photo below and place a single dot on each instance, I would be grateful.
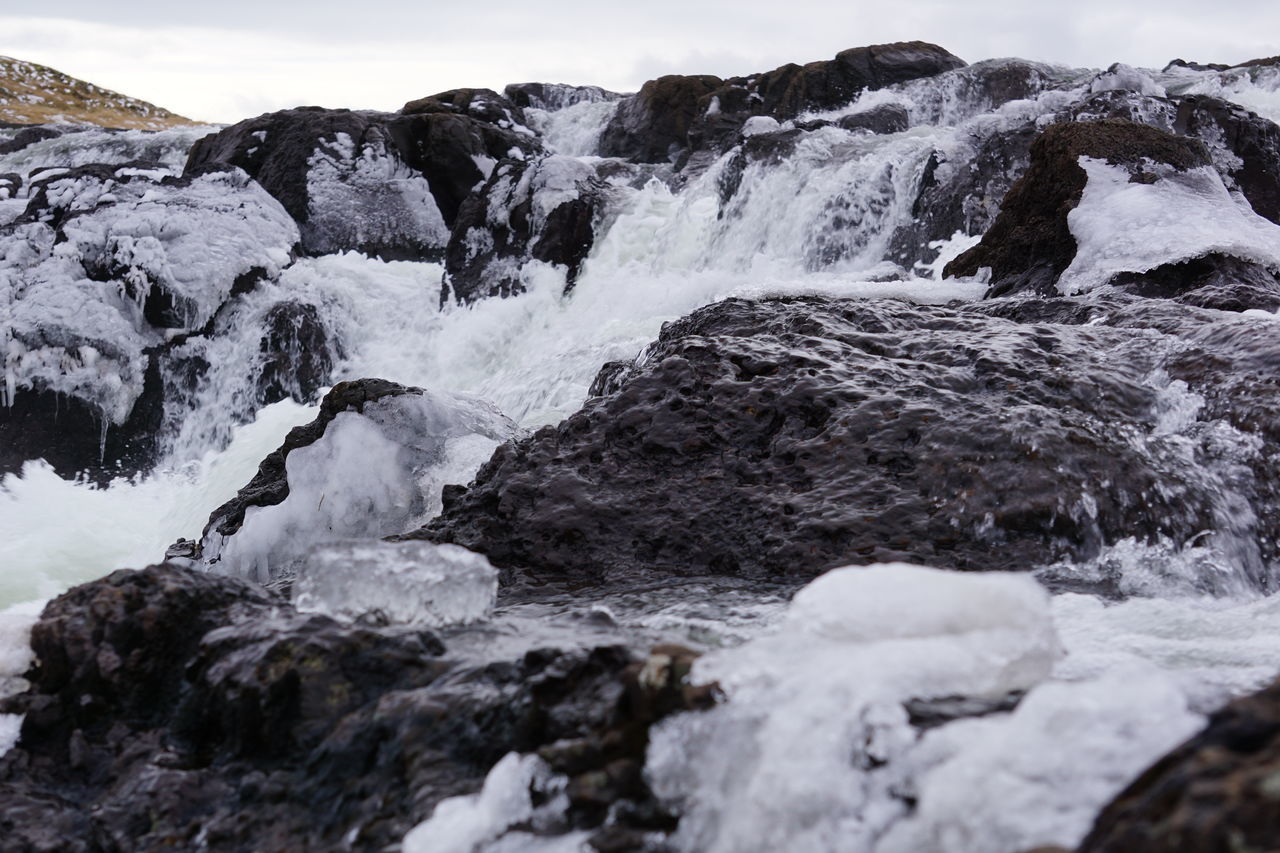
(298, 353)
(652, 126)
(785, 437)
(1254, 140)
(1216, 792)
(886, 118)
(545, 210)
(178, 709)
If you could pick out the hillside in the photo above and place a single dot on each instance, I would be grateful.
(36, 94)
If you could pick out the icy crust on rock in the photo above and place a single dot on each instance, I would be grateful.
(16, 658)
(371, 474)
(415, 582)
(81, 146)
(814, 749)
(369, 197)
(77, 273)
(574, 130)
(1121, 225)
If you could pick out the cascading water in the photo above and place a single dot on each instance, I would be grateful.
(813, 747)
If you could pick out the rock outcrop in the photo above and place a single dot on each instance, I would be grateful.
(172, 708)
(784, 437)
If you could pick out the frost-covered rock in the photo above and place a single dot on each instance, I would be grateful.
(104, 266)
(372, 464)
(784, 437)
(1116, 202)
(545, 210)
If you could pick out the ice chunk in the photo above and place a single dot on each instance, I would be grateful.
(418, 582)
(464, 824)
(757, 125)
(1123, 226)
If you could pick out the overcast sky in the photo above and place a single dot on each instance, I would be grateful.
(237, 58)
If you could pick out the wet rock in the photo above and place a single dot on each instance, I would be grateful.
(10, 184)
(652, 126)
(28, 136)
(556, 96)
(1030, 245)
(671, 116)
(545, 210)
(785, 437)
(172, 708)
(298, 354)
(1216, 792)
(1253, 142)
(1194, 66)
(887, 118)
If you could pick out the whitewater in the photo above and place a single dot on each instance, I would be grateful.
(813, 748)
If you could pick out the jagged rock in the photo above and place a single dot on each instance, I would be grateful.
(172, 708)
(100, 271)
(29, 136)
(10, 184)
(545, 210)
(1194, 66)
(1030, 244)
(556, 96)
(784, 437)
(1216, 792)
(1252, 140)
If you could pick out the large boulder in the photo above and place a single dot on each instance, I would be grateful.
(545, 210)
(379, 183)
(1140, 173)
(652, 126)
(1216, 792)
(107, 267)
(784, 437)
(1252, 145)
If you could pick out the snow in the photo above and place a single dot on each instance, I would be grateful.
(16, 658)
(1121, 226)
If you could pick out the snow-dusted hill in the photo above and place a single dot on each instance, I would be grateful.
(36, 94)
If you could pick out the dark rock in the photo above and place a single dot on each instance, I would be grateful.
(331, 169)
(556, 96)
(785, 437)
(298, 354)
(483, 104)
(887, 118)
(76, 438)
(171, 708)
(1194, 66)
(673, 115)
(652, 126)
(28, 136)
(1216, 792)
(1213, 281)
(1265, 62)
(545, 210)
(10, 184)
(270, 486)
(1029, 245)
(1254, 140)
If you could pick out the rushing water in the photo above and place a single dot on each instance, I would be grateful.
(1110, 686)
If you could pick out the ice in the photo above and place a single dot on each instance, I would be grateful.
(417, 582)
(368, 196)
(467, 824)
(169, 148)
(72, 299)
(808, 750)
(1126, 77)
(371, 474)
(757, 125)
(574, 130)
(16, 658)
(1123, 226)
